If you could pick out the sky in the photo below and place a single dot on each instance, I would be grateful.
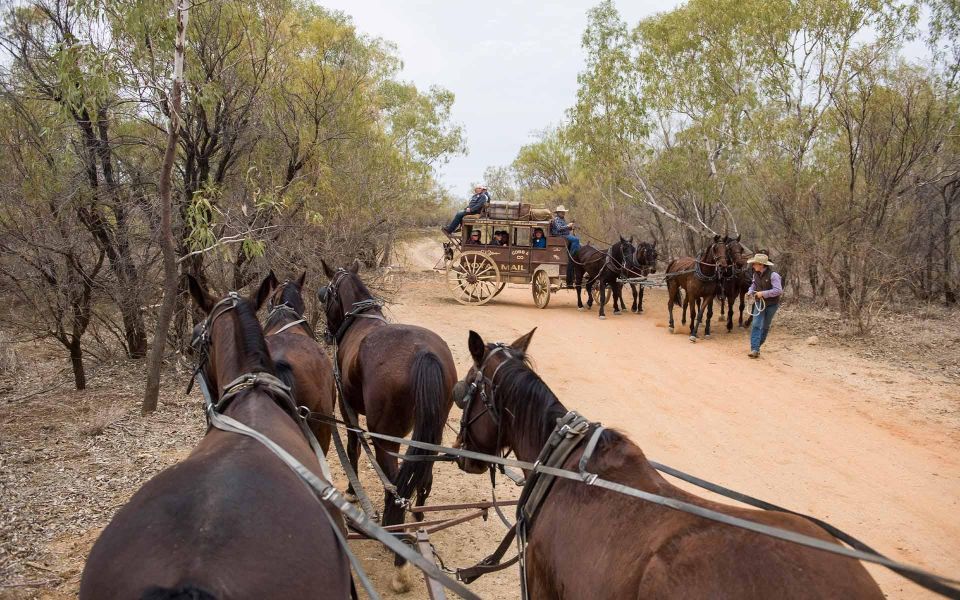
(512, 64)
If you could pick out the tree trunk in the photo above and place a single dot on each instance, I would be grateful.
(76, 362)
(949, 195)
(167, 243)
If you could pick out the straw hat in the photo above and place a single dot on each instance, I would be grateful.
(560, 208)
(763, 259)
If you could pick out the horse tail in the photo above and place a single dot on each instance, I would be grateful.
(284, 371)
(429, 393)
(187, 592)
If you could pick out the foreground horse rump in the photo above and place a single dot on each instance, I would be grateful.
(231, 520)
(587, 542)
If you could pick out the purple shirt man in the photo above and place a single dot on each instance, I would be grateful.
(772, 293)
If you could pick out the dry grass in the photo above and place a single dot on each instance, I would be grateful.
(924, 338)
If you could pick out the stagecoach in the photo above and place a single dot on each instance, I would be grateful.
(477, 272)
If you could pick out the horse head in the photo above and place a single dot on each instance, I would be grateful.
(482, 426)
(229, 342)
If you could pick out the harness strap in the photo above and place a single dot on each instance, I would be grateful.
(491, 564)
(328, 493)
(706, 513)
(288, 326)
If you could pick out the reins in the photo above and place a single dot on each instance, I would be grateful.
(322, 488)
(860, 551)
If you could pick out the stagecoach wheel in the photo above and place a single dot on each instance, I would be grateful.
(500, 289)
(541, 289)
(473, 278)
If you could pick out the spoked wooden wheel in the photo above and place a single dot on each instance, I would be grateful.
(473, 278)
(503, 284)
(541, 289)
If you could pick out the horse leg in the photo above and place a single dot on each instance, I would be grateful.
(603, 298)
(590, 283)
(671, 294)
(706, 330)
(640, 303)
(423, 492)
(579, 284)
(729, 313)
(616, 290)
(636, 307)
(353, 455)
(704, 304)
(392, 513)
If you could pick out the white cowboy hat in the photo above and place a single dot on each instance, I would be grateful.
(763, 259)
(480, 186)
(560, 208)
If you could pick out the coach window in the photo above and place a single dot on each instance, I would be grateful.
(521, 237)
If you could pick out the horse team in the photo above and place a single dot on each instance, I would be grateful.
(719, 272)
(233, 521)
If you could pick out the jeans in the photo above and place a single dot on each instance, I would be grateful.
(458, 218)
(573, 242)
(761, 326)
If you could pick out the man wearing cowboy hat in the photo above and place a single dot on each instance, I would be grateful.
(560, 227)
(767, 289)
(477, 202)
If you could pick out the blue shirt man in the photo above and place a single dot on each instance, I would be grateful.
(479, 199)
(560, 227)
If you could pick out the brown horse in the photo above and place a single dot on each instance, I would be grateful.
(738, 282)
(586, 542)
(231, 520)
(700, 280)
(292, 341)
(644, 263)
(400, 377)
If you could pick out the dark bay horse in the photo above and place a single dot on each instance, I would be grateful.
(291, 340)
(736, 285)
(399, 376)
(603, 269)
(586, 542)
(644, 263)
(231, 520)
(700, 280)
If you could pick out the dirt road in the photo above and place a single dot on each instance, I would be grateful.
(870, 448)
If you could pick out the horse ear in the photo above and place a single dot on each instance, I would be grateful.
(302, 280)
(327, 270)
(200, 295)
(263, 292)
(521, 343)
(355, 267)
(477, 347)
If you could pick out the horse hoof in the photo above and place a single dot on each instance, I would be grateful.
(640, 312)
(693, 339)
(670, 329)
(602, 317)
(706, 337)
(580, 308)
(616, 312)
(400, 583)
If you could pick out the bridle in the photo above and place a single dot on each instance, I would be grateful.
(483, 388)
(202, 342)
(329, 292)
(698, 271)
(284, 307)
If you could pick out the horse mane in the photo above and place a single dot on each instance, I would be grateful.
(358, 291)
(248, 339)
